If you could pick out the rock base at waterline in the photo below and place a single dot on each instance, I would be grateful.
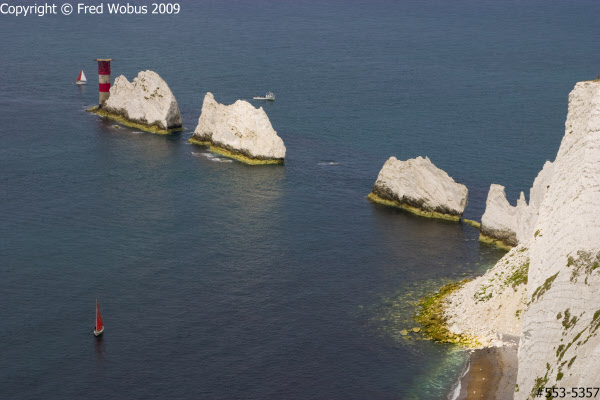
(235, 154)
(133, 124)
(483, 238)
(412, 209)
(474, 224)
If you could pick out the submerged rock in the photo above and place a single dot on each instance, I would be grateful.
(506, 225)
(421, 188)
(146, 103)
(238, 131)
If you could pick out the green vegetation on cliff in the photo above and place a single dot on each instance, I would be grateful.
(430, 314)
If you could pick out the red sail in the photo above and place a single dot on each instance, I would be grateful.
(79, 76)
(99, 323)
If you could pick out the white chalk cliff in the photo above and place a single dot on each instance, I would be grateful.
(147, 100)
(514, 224)
(420, 187)
(560, 343)
(556, 310)
(239, 129)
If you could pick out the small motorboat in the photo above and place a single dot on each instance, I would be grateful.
(99, 325)
(268, 96)
(81, 79)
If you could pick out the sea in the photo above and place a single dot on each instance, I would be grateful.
(220, 280)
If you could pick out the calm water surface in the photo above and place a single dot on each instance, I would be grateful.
(219, 280)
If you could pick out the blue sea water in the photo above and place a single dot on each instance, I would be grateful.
(219, 280)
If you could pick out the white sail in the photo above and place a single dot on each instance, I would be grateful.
(83, 79)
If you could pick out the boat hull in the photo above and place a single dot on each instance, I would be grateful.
(263, 98)
(80, 83)
(98, 333)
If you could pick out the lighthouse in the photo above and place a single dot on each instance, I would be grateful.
(103, 79)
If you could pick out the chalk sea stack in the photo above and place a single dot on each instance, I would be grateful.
(238, 131)
(506, 225)
(145, 103)
(420, 187)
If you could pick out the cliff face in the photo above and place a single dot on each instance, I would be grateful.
(419, 187)
(239, 131)
(560, 343)
(146, 103)
(545, 291)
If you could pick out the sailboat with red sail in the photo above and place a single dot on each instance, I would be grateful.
(99, 325)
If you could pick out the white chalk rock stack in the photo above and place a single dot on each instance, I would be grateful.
(512, 225)
(146, 101)
(420, 187)
(500, 218)
(239, 131)
(560, 344)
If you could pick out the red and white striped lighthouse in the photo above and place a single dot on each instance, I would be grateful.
(103, 79)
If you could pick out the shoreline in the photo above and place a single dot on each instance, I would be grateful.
(467, 313)
(491, 374)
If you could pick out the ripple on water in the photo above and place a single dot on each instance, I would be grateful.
(328, 163)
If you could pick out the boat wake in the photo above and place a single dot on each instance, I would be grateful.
(329, 163)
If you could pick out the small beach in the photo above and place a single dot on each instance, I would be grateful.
(492, 374)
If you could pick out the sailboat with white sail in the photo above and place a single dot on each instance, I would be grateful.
(81, 79)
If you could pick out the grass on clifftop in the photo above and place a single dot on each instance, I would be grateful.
(430, 314)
